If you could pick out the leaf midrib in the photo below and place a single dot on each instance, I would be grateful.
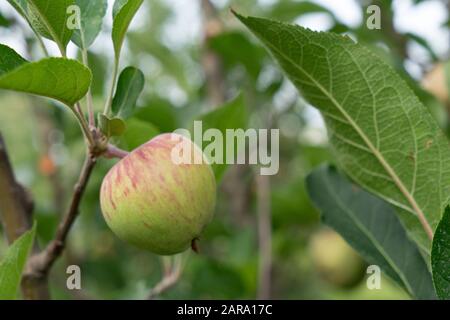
(50, 29)
(128, 89)
(377, 154)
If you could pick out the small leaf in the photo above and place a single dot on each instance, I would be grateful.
(123, 14)
(62, 79)
(11, 267)
(232, 115)
(9, 59)
(114, 127)
(49, 18)
(370, 225)
(440, 257)
(382, 135)
(129, 87)
(92, 14)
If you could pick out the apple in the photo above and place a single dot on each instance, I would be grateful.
(336, 262)
(156, 203)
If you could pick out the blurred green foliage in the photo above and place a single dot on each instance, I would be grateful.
(176, 93)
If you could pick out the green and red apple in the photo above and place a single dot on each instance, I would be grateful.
(154, 202)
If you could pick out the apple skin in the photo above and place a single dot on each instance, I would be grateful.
(155, 204)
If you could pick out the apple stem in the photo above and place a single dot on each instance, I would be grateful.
(194, 246)
(114, 152)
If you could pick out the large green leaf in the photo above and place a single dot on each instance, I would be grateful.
(49, 18)
(440, 257)
(370, 225)
(62, 79)
(9, 59)
(232, 115)
(129, 87)
(11, 267)
(383, 136)
(123, 13)
(92, 14)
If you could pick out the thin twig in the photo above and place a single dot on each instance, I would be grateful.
(77, 110)
(264, 236)
(172, 273)
(109, 100)
(114, 152)
(211, 62)
(90, 103)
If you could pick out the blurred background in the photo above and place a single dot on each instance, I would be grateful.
(266, 240)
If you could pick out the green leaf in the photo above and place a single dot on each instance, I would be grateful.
(129, 87)
(440, 257)
(62, 79)
(49, 18)
(92, 14)
(20, 6)
(383, 136)
(138, 132)
(11, 267)
(111, 127)
(9, 59)
(123, 13)
(232, 115)
(370, 225)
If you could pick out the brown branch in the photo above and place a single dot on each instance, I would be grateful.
(264, 236)
(172, 273)
(16, 208)
(211, 62)
(114, 152)
(15, 203)
(39, 265)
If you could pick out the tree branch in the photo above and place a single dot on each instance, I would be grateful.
(212, 64)
(172, 273)
(39, 265)
(15, 204)
(264, 236)
(16, 208)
